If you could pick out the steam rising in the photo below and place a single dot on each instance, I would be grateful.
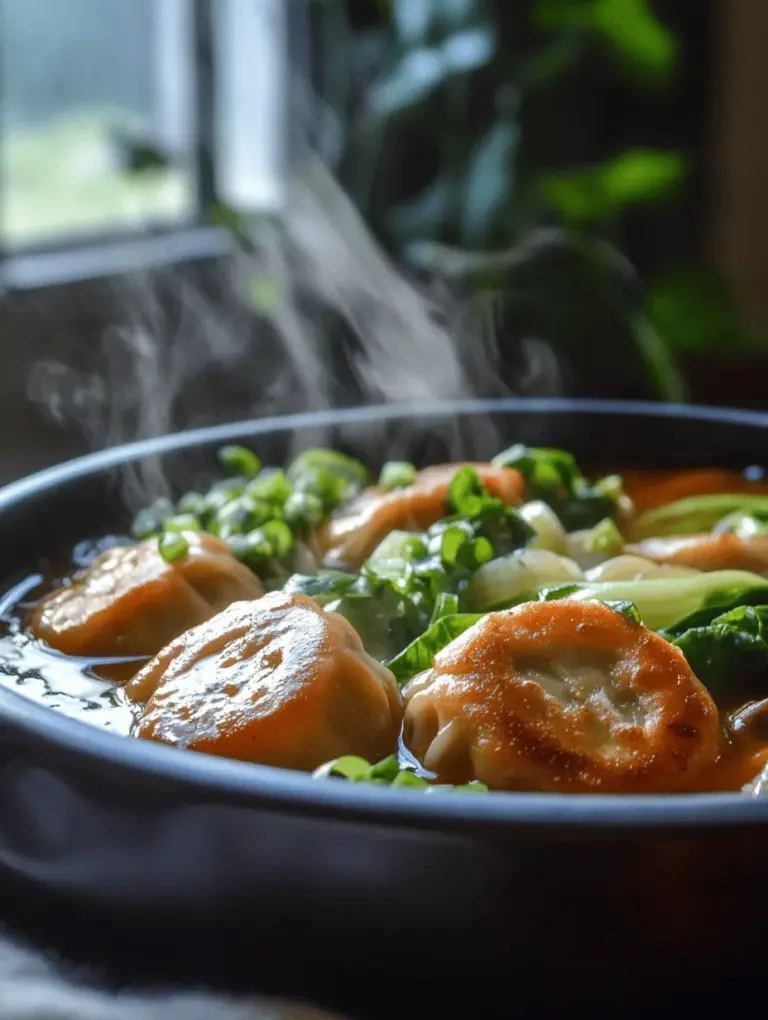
(313, 315)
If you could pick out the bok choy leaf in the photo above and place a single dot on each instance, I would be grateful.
(420, 654)
(665, 602)
(730, 654)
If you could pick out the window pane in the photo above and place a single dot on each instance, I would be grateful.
(91, 90)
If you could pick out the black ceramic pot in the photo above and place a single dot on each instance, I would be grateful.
(384, 902)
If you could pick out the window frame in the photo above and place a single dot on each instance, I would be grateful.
(78, 258)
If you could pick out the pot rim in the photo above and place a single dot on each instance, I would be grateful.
(195, 774)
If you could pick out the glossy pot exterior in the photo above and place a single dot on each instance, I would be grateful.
(176, 865)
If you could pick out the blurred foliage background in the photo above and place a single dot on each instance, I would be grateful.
(536, 152)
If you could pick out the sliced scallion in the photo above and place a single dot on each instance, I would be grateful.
(173, 546)
(239, 460)
(397, 474)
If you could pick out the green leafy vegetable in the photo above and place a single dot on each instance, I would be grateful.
(447, 604)
(665, 602)
(420, 654)
(519, 576)
(730, 654)
(550, 534)
(561, 591)
(323, 587)
(717, 604)
(554, 477)
(627, 609)
(605, 539)
(696, 514)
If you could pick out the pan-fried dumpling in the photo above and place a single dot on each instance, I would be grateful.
(131, 602)
(278, 681)
(562, 695)
(710, 551)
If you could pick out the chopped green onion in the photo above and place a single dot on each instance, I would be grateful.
(387, 769)
(239, 460)
(280, 538)
(272, 486)
(257, 547)
(191, 503)
(466, 495)
(542, 467)
(243, 513)
(173, 546)
(387, 773)
(397, 474)
(182, 522)
(400, 545)
(408, 778)
(611, 486)
(350, 470)
(450, 546)
(330, 489)
(304, 510)
(481, 552)
(220, 495)
(349, 766)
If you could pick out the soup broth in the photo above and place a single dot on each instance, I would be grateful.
(456, 588)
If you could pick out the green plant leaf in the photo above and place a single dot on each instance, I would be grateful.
(694, 309)
(598, 194)
(642, 43)
(731, 652)
(629, 29)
